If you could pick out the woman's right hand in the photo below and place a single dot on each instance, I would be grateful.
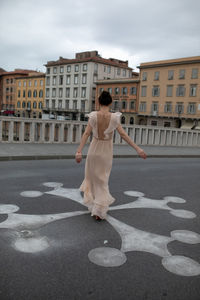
(78, 157)
(141, 153)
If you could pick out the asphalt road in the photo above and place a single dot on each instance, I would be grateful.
(47, 254)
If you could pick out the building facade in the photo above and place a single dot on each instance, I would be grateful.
(124, 93)
(170, 93)
(30, 92)
(8, 90)
(71, 83)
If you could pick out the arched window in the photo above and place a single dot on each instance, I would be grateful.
(34, 104)
(40, 105)
(35, 94)
(18, 104)
(28, 104)
(41, 93)
(29, 94)
(23, 104)
(123, 120)
(131, 120)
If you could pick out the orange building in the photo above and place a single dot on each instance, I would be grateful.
(124, 93)
(30, 91)
(8, 90)
(170, 93)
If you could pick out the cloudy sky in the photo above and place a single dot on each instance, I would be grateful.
(33, 32)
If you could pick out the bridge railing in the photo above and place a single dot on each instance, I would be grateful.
(20, 130)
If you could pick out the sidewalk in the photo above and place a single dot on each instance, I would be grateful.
(11, 151)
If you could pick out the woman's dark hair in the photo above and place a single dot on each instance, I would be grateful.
(105, 98)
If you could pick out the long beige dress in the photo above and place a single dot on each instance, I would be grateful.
(99, 163)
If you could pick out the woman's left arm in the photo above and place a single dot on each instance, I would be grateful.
(83, 141)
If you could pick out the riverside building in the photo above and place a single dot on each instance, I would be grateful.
(71, 83)
(170, 93)
(124, 92)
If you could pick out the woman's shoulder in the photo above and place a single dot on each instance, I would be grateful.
(92, 113)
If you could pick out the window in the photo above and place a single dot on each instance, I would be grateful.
(74, 104)
(179, 108)
(29, 94)
(41, 82)
(7, 90)
(169, 90)
(123, 104)
(76, 79)
(60, 93)
(116, 105)
(96, 68)
(100, 90)
(34, 104)
(124, 91)
(24, 83)
(132, 105)
(68, 69)
(18, 104)
(53, 103)
(29, 83)
(193, 90)
(109, 69)
(54, 92)
(67, 92)
(83, 92)
(123, 120)
(180, 91)
(41, 93)
(156, 75)
(170, 74)
(61, 69)
(110, 90)
(24, 93)
(144, 76)
(84, 78)
(144, 91)
(7, 81)
(47, 103)
(66, 104)
(47, 93)
(182, 74)
(154, 123)
(168, 107)
(191, 109)
(118, 71)
(61, 80)
(167, 124)
(54, 80)
(48, 70)
(133, 90)
(23, 104)
(75, 94)
(82, 104)
(76, 68)
(35, 82)
(84, 67)
(34, 93)
(143, 106)
(104, 68)
(194, 73)
(40, 105)
(48, 80)
(54, 70)
(131, 120)
(19, 93)
(68, 79)
(154, 107)
(95, 78)
(59, 103)
(124, 72)
(117, 91)
(19, 83)
(155, 91)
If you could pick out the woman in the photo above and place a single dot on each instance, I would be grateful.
(98, 164)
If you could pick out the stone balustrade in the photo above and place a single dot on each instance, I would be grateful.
(20, 130)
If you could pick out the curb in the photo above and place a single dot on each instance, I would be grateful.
(49, 157)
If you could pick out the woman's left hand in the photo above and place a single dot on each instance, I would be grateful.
(78, 157)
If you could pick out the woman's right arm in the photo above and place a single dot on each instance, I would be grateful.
(125, 137)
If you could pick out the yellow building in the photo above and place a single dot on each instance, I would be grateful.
(170, 93)
(30, 95)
